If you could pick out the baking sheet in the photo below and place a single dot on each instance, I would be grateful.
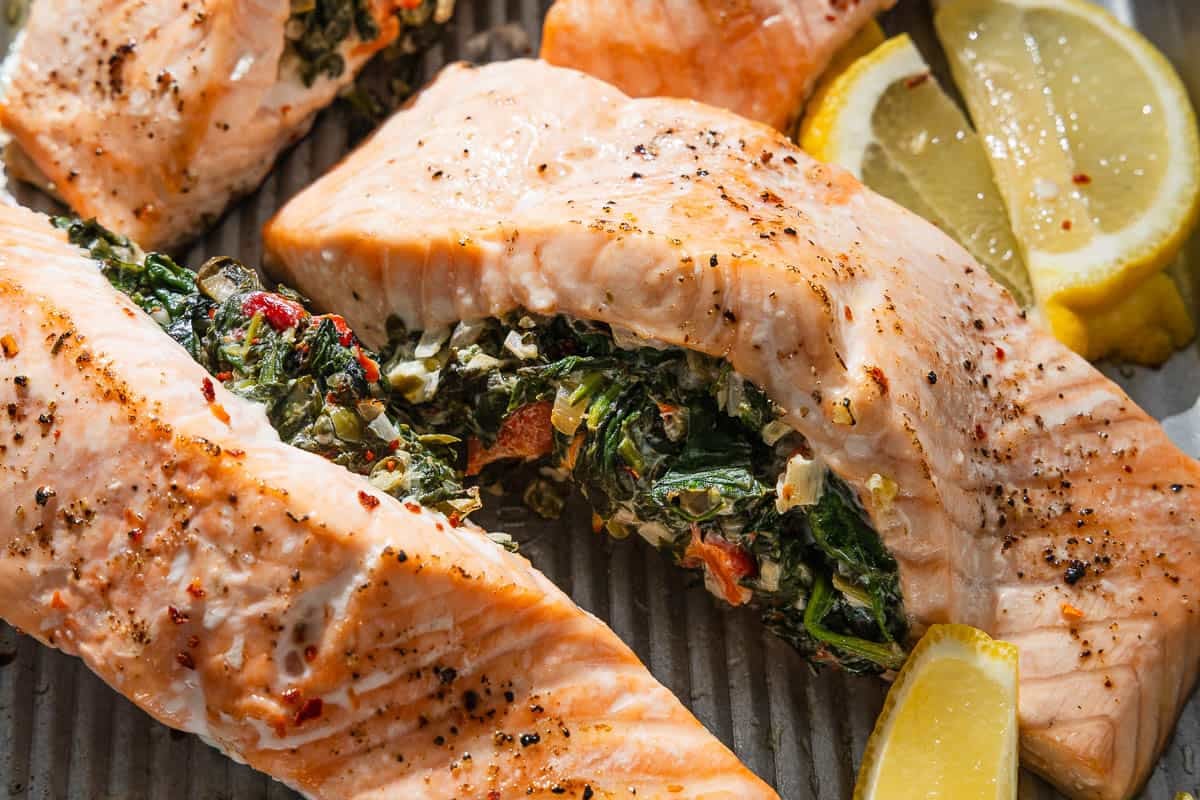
(64, 734)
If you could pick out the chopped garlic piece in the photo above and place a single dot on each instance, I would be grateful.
(466, 333)
(883, 490)
(515, 344)
(769, 573)
(655, 533)
(431, 342)
(414, 380)
(775, 430)
(800, 484)
(566, 417)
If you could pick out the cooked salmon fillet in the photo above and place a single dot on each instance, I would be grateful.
(233, 586)
(151, 116)
(1035, 500)
(759, 58)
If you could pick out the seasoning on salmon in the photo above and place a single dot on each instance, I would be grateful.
(988, 469)
(152, 116)
(759, 58)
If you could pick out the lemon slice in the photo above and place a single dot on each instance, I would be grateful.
(949, 726)
(887, 121)
(1092, 141)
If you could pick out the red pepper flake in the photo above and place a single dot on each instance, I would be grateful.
(311, 709)
(310, 653)
(224, 376)
(370, 455)
(1071, 612)
(292, 696)
(136, 534)
(219, 412)
(236, 452)
(1000, 354)
(413, 507)
(193, 641)
(280, 312)
(195, 589)
(393, 446)
(212, 312)
(370, 368)
(185, 660)
(980, 433)
(178, 617)
(1066, 224)
(369, 501)
(916, 80)
(455, 520)
(1082, 179)
(848, 314)
(876, 374)
(206, 389)
(57, 603)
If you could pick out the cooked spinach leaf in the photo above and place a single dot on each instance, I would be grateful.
(672, 445)
(319, 386)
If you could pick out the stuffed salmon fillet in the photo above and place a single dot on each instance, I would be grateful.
(1016, 489)
(152, 116)
(759, 58)
(288, 611)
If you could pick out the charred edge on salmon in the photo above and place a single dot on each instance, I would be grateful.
(665, 442)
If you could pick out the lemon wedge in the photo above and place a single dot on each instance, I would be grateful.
(886, 120)
(1093, 144)
(949, 726)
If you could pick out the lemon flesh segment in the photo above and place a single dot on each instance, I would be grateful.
(1091, 138)
(949, 726)
(889, 122)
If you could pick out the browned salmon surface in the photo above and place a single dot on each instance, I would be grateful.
(759, 58)
(152, 115)
(233, 586)
(1036, 500)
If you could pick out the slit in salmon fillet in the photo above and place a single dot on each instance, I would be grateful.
(664, 442)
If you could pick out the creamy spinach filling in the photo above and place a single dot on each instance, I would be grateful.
(671, 445)
(664, 443)
(321, 389)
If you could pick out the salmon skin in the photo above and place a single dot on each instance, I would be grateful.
(1032, 498)
(152, 116)
(274, 603)
(759, 58)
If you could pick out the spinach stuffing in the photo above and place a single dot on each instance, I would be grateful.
(666, 443)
